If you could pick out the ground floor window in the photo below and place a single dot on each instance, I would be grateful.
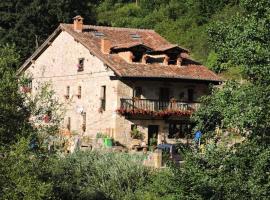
(179, 129)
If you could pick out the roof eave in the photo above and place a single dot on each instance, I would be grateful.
(175, 77)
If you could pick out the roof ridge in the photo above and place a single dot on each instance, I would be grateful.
(118, 28)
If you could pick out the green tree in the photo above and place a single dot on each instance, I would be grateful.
(27, 23)
(245, 39)
(14, 114)
(22, 173)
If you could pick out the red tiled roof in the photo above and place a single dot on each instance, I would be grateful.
(122, 38)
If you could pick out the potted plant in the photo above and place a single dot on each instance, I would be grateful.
(137, 137)
(136, 134)
(153, 143)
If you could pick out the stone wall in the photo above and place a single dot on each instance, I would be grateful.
(58, 65)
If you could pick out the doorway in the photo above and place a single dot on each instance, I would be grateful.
(152, 134)
(190, 95)
(164, 98)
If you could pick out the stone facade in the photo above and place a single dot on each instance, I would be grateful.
(60, 65)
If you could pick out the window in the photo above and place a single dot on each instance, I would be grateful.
(103, 98)
(137, 92)
(84, 122)
(69, 123)
(190, 95)
(179, 129)
(79, 95)
(80, 65)
(67, 92)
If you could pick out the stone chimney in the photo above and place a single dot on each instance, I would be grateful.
(106, 46)
(78, 23)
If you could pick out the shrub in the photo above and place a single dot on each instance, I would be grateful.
(95, 175)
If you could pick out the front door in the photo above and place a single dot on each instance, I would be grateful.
(152, 134)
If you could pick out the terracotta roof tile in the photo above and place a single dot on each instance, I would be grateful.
(128, 45)
(124, 38)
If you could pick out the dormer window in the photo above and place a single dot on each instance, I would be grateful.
(80, 65)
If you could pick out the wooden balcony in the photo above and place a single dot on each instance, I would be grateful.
(156, 107)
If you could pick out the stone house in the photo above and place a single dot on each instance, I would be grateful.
(114, 79)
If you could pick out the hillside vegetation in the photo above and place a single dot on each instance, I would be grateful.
(232, 37)
(28, 23)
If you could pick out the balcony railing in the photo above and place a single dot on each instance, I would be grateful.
(153, 106)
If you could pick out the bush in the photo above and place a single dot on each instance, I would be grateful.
(94, 175)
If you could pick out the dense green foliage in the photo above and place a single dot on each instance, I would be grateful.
(14, 115)
(28, 23)
(239, 43)
(220, 174)
(245, 39)
(93, 175)
(83, 175)
(21, 172)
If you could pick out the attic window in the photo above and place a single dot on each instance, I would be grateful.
(98, 34)
(135, 36)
